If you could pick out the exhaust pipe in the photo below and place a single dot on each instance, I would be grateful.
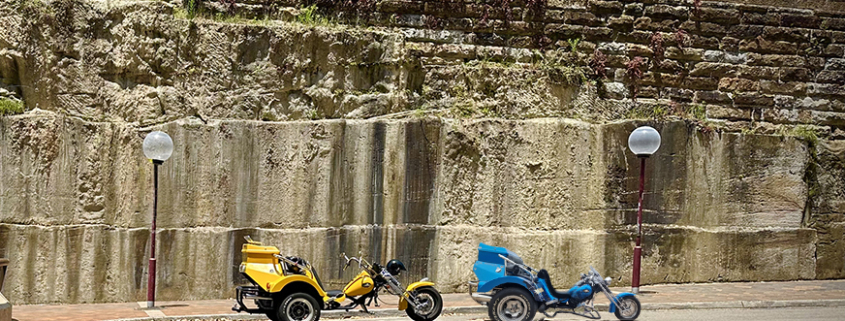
(481, 298)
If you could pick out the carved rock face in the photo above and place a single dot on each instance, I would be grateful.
(416, 143)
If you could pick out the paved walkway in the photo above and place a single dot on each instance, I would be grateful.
(678, 296)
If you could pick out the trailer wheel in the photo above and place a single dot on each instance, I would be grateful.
(512, 304)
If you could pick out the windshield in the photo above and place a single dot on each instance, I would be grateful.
(593, 270)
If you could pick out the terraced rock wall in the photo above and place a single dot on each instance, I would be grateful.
(415, 134)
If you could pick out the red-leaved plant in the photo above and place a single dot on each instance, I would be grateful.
(632, 69)
(657, 46)
(681, 38)
(598, 64)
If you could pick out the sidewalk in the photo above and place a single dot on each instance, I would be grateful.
(654, 297)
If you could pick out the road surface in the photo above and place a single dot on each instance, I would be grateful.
(775, 314)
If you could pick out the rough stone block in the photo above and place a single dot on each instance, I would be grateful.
(704, 28)
(753, 99)
(729, 44)
(835, 64)
(713, 55)
(661, 12)
(688, 54)
(800, 21)
(713, 96)
(720, 16)
(567, 4)
(613, 48)
(597, 33)
(797, 35)
(738, 84)
(624, 22)
(764, 46)
(757, 72)
(831, 76)
(832, 23)
(825, 89)
(615, 90)
(776, 60)
(834, 50)
(760, 18)
(728, 113)
(634, 9)
(777, 87)
(606, 7)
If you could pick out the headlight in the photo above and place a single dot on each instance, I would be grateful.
(607, 280)
(242, 268)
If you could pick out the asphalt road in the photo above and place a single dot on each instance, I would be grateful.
(776, 314)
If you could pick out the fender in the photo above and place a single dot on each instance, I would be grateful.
(403, 301)
(279, 285)
(619, 296)
(490, 285)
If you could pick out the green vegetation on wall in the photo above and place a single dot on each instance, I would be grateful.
(11, 107)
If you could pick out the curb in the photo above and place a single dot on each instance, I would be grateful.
(386, 313)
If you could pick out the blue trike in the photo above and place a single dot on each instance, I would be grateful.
(514, 291)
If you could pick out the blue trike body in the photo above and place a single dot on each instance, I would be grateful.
(498, 268)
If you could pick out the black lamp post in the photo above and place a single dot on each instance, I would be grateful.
(643, 142)
(157, 147)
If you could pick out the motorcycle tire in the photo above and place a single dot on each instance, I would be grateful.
(428, 314)
(631, 314)
(512, 304)
(298, 307)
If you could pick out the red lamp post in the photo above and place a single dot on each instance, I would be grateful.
(643, 142)
(157, 147)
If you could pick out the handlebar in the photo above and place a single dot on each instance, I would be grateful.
(362, 263)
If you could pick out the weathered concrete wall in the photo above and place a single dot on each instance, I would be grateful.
(342, 138)
(427, 190)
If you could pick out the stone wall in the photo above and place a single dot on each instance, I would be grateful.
(769, 61)
(437, 127)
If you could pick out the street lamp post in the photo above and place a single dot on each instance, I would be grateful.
(157, 147)
(643, 142)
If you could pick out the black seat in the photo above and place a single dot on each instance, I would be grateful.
(330, 293)
(544, 275)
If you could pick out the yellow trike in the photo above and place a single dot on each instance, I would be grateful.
(287, 288)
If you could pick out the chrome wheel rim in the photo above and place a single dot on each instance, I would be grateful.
(426, 304)
(299, 309)
(627, 308)
(512, 308)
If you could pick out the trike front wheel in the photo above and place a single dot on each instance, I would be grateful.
(628, 308)
(512, 304)
(431, 304)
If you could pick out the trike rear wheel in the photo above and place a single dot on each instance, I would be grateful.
(512, 304)
(298, 307)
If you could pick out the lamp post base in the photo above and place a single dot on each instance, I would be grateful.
(151, 304)
(635, 279)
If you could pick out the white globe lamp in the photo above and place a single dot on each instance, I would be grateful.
(644, 141)
(158, 146)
